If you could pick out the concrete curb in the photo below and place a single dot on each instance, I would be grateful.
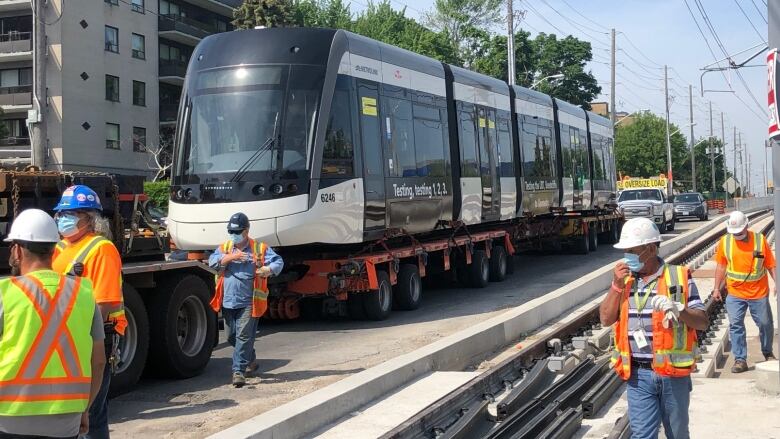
(310, 413)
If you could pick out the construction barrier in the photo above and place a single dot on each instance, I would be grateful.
(719, 205)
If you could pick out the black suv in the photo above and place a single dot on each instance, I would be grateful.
(691, 205)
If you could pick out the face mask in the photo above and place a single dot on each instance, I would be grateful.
(67, 225)
(633, 262)
(237, 239)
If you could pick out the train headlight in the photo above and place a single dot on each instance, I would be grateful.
(179, 194)
(258, 190)
(188, 193)
(277, 189)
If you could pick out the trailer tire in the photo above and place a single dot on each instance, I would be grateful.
(479, 270)
(594, 239)
(407, 292)
(614, 232)
(184, 325)
(582, 244)
(134, 346)
(355, 306)
(378, 303)
(499, 261)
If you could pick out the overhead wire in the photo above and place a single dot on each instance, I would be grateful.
(760, 14)
(577, 25)
(749, 21)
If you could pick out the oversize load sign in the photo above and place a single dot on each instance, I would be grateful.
(774, 118)
(641, 183)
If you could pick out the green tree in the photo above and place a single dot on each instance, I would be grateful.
(381, 22)
(704, 168)
(457, 18)
(268, 13)
(640, 149)
(334, 14)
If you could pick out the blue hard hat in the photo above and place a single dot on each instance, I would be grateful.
(79, 197)
(238, 222)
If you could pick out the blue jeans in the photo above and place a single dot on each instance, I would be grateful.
(242, 328)
(98, 412)
(653, 399)
(762, 315)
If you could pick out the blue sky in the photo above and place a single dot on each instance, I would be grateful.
(663, 32)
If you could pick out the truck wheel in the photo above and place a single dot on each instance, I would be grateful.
(184, 325)
(378, 303)
(498, 264)
(582, 244)
(479, 270)
(614, 232)
(594, 239)
(407, 293)
(134, 345)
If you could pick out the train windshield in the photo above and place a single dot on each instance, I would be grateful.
(232, 113)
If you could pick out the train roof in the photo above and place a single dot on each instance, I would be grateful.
(572, 109)
(526, 94)
(599, 119)
(474, 79)
(377, 50)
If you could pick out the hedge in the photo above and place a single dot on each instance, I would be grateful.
(158, 192)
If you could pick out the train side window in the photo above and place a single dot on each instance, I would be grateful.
(484, 153)
(505, 145)
(429, 141)
(338, 154)
(468, 141)
(399, 137)
(531, 148)
(566, 146)
(546, 148)
(369, 128)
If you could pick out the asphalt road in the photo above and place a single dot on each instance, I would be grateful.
(297, 358)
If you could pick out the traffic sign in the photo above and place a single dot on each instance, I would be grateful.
(730, 185)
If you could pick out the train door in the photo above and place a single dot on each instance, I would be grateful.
(578, 170)
(488, 164)
(373, 160)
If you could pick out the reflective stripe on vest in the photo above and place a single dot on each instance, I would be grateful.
(85, 253)
(39, 387)
(672, 347)
(757, 270)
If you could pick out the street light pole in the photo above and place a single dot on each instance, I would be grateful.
(555, 76)
(510, 42)
(693, 153)
(669, 176)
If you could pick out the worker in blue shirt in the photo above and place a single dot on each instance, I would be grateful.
(244, 266)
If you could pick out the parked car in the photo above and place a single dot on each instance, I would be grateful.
(650, 203)
(691, 205)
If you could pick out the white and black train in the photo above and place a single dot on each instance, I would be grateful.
(324, 136)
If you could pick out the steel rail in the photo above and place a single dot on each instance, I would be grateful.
(464, 412)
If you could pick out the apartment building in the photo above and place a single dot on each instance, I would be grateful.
(113, 76)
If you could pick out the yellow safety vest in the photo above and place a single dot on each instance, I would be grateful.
(757, 270)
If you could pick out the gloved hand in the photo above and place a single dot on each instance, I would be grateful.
(264, 271)
(670, 308)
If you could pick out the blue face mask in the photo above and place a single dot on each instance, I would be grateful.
(237, 238)
(67, 224)
(633, 262)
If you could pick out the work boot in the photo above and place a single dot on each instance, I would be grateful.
(251, 368)
(238, 379)
(739, 366)
(769, 356)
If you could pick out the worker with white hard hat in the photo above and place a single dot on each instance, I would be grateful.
(655, 309)
(51, 338)
(744, 259)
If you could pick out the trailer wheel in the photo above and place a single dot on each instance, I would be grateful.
(613, 235)
(479, 270)
(498, 264)
(134, 345)
(582, 244)
(184, 326)
(594, 240)
(355, 306)
(407, 293)
(378, 303)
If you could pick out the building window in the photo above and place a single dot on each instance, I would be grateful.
(169, 8)
(138, 6)
(139, 139)
(139, 93)
(16, 77)
(112, 39)
(112, 88)
(112, 2)
(112, 135)
(139, 46)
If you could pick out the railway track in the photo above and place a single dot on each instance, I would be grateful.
(521, 397)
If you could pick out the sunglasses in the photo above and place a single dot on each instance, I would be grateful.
(235, 232)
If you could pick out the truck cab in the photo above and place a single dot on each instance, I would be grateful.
(651, 203)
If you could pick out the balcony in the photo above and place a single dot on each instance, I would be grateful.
(15, 5)
(15, 141)
(15, 151)
(172, 72)
(16, 99)
(183, 29)
(16, 46)
(168, 113)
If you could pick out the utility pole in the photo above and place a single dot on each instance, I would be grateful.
(36, 124)
(613, 117)
(735, 161)
(725, 168)
(668, 137)
(693, 153)
(510, 42)
(712, 153)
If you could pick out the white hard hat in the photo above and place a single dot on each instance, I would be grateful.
(737, 222)
(33, 225)
(636, 232)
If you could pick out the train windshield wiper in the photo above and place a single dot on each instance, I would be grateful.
(243, 169)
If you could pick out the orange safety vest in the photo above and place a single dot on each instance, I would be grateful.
(673, 348)
(260, 285)
(757, 270)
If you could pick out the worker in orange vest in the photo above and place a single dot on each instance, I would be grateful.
(51, 338)
(86, 251)
(744, 258)
(244, 267)
(655, 309)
